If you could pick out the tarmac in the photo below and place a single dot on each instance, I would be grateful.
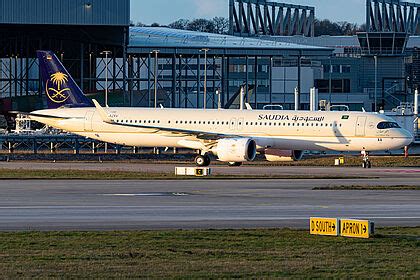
(189, 204)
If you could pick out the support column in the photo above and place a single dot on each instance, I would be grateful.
(76, 149)
(198, 80)
(255, 80)
(246, 79)
(270, 75)
(130, 79)
(35, 146)
(149, 86)
(173, 105)
(299, 82)
(224, 88)
(124, 70)
(180, 82)
(297, 93)
(82, 66)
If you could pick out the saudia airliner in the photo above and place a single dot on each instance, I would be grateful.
(233, 136)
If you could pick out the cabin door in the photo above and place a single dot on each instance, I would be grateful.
(89, 120)
(360, 126)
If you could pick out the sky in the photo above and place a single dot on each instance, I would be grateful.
(167, 11)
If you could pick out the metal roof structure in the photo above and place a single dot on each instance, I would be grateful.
(170, 41)
(335, 42)
(265, 17)
(65, 12)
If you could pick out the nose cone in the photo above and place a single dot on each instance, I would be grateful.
(407, 137)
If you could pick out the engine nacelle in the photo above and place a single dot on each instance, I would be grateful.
(236, 150)
(274, 155)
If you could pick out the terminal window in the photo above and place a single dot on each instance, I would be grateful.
(337, 85)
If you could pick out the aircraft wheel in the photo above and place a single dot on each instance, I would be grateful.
(234, 164)
(202, 161)
(208, 160)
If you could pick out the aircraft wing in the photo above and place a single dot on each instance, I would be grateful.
(202, 135)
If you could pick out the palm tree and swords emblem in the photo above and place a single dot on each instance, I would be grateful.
(58, 94)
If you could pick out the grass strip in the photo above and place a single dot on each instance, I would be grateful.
(374, 188)
(70, 174)
(350, 161)
(187, 254)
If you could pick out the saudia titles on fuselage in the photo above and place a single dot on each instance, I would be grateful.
(278, 117)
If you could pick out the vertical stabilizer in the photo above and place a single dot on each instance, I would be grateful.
(58, 85)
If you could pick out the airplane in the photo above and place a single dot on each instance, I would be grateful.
(233, 136)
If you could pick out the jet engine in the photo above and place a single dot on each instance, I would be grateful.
(236, 150)
(274, 155)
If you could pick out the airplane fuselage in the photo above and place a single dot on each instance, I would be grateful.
(285, 130)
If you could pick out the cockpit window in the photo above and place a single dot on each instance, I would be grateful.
(388, 125)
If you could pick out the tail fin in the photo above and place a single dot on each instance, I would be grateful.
(59, 86)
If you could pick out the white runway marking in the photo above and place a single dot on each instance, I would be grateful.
(146, 194)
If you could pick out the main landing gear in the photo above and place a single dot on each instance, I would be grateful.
(202, 160)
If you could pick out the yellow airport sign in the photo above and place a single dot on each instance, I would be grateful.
(325, 226)
(356, 228)
(199, 172)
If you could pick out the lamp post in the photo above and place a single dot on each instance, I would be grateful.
(219, 104)
(155, 71)
(106, 76)
(376, 78)
(205, 78)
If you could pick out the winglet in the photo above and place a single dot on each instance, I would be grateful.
(102, 112)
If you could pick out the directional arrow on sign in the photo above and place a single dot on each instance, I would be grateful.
(333, 226)
(364, 228)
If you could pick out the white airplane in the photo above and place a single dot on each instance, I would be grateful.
(233, 136)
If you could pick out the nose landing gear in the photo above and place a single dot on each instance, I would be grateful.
(366, 162)
(202, 160)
